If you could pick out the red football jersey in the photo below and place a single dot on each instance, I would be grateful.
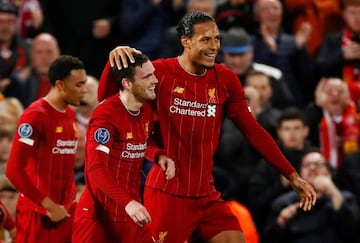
(116, 142)
(190, 109)
(41, 161)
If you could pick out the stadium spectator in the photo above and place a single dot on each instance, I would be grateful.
(333, 219)
(32, 82)
(14, 54)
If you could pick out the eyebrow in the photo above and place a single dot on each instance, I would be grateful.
(148, 75)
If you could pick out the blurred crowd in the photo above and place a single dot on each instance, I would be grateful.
(298, 61)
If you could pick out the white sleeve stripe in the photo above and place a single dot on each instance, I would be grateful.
(103, 148)
(27, 141)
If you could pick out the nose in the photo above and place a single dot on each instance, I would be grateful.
(154, 80)
(84, 90)
(215, 44)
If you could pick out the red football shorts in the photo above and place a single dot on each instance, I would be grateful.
(176, 219)
(90, 230)
(35, 227)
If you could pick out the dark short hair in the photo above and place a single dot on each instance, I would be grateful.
(8, 8)
(186, 24)
(61, 68)
(291, 113)
(316, 150)
(129, 72)
(254, 72)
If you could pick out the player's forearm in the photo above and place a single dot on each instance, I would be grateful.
(152, 153)
(261, 140)
(100, 179)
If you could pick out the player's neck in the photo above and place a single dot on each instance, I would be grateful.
(53, 99)
(131, 104)
(189, 67)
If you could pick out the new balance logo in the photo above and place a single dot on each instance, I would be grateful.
(179, 90)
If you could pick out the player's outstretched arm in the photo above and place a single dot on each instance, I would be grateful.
(305, 191)
(167, 165)
(118, 56)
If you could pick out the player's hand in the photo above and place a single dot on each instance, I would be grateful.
(304, 190)
(55, 211)
(119, 56)
(138, 213)
(167, 165)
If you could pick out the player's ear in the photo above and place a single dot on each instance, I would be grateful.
(126, 83)
(59, 84)
(185, 41)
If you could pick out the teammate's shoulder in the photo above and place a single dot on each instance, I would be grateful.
(35, 115)
(223, 70)
(107, 105)
(220, 67)
(38, 106)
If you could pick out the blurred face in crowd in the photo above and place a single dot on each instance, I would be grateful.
(238, 62)
(260, 82)
(5, 147)
(269, 12)
(292, 133)
(313, 164)
(207, 6)
(44, 51)
(89, 101)
(351, 15)
(80, 150)
(7, 27)
(9, 199)
(337, 96)
(10, 111)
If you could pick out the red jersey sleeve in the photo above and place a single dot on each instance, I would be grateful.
(24, 145)
(97, 159)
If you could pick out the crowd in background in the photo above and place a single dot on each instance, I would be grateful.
(298, 61)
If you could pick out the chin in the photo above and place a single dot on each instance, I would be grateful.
(75, 103)
(209, 65)
(152, 98)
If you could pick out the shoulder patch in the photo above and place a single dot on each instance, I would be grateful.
(102, 135)
(25, 130)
